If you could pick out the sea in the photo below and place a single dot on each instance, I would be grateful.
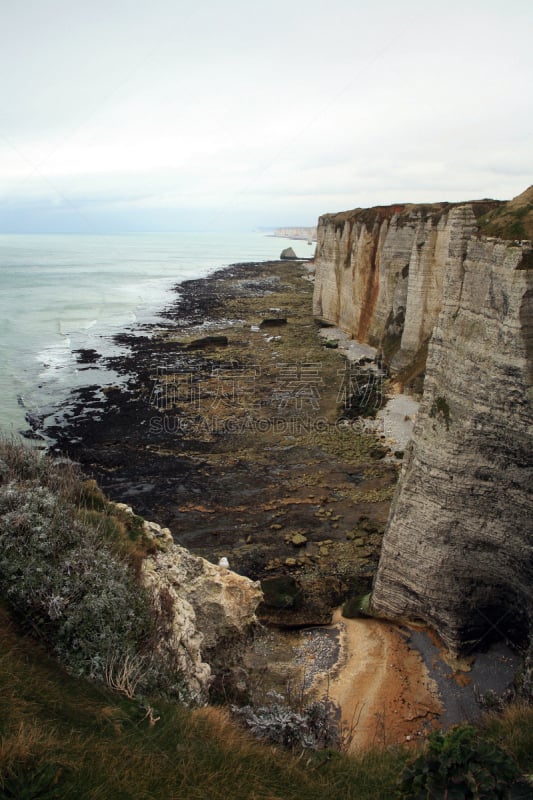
(62, 293)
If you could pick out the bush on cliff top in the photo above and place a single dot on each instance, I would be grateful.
(304, 725)
(66, 572)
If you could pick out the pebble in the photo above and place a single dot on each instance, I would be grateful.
(318, 653)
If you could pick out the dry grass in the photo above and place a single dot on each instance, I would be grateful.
(95, 745)
(513, 730)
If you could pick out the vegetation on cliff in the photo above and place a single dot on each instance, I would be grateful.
(68, 562)
(68, 578)
(512, 220)
(77, 739)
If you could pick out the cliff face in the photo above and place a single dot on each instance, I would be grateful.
(207, 612)
(379, 273)
(458, 549)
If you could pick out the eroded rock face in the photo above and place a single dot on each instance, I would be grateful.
(379, 273)
(207, 614)
(458, 549)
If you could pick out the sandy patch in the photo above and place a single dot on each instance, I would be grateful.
(397, 419)
(382, 685)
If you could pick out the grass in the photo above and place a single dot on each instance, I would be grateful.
(89, 743)
(85, 742)
(513, 730)
(512, 220)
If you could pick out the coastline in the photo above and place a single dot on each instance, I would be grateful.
(66, 293)
(228, 433)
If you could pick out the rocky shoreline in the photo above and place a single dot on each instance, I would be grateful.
(228, 433)
(239, 430)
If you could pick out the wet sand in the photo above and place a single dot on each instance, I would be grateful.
(381, 684)
(395, 684)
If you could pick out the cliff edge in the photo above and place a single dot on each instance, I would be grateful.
(380, 272)
(458, 548)
(440, 297)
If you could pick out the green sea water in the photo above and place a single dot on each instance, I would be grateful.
(59, 293)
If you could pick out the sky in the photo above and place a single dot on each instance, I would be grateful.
(127, 115)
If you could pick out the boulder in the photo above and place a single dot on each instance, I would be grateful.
(288, 254)
(208, 342)
(281, 592)
(273, 322)
(298, 539)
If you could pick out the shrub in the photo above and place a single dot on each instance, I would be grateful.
(313, 726)
(68, 563)
(61, 574)
(358, 606)
(459, 766)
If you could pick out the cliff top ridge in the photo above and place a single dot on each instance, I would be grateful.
(377, 214)
(512, 220)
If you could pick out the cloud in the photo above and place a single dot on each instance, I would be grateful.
(246, 112)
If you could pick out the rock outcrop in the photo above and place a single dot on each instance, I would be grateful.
(379, 273)
(458, 549)
(288, 254)
(207, 613)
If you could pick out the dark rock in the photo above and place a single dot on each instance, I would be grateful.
(29, 434)
(86, 355)
(281, 591)
(288, 254)
(208, 341)
(273, 322)
(310, 614)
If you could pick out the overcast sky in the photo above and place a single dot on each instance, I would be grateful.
(167, 115)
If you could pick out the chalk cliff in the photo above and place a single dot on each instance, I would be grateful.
(458, 548)
(206, 611)
(379, 273)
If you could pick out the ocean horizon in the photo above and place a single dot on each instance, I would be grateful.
(66, 292)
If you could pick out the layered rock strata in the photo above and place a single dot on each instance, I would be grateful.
(206, 612)
(379, 273)
(458, 549)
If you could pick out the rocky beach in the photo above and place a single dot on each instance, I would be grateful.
(229, 432)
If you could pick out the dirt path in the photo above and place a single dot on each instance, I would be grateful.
(381, 685)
